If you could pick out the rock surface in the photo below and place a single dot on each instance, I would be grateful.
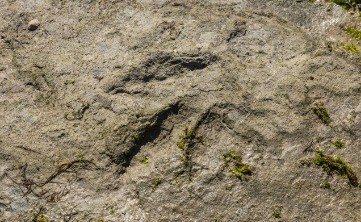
(147, 110)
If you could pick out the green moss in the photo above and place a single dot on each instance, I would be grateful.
(336, 165)
(135, 138)
(80, 157)
(157, 182)
(351, 48)
(322, 113)
(112, 211)
(190, 134)
(326, 185)
(186, 137)
(339, 144)
(345, 4)
(237, 168)
(232, 157)
(277, 214)
(144, 160)
(241, 170)
(187, 140)
(41, 218)
(181, 144)
(355, 33)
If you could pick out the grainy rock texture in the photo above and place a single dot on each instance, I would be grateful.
(179, 110)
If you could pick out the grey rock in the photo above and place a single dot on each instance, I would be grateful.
(152, 110)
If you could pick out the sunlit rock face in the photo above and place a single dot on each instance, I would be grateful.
(182, 110)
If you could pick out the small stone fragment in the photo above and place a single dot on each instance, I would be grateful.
(33, 25)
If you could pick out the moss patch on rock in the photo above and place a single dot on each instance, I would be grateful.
(354, 33)
(322, 113)
(351, 48)
(339, 144)
(236, 166)
(331, 165)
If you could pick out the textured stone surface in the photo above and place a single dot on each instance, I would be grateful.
(94, 104)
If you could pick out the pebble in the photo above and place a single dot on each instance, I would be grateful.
(33, 25)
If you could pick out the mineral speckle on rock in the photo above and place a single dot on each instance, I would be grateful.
(33, 25)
